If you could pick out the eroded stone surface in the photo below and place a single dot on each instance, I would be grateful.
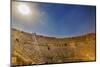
(26, 50)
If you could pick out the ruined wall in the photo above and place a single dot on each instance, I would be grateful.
(27, 49)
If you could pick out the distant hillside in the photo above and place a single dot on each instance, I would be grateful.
(30, 48)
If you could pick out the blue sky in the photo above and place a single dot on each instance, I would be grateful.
(58, 20)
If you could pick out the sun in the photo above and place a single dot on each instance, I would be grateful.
(24, 9)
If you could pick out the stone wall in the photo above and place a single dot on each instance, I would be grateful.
(28, 48)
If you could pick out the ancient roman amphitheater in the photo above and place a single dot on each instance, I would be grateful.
(28, 48)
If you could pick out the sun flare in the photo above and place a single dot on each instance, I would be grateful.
(24, 9)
